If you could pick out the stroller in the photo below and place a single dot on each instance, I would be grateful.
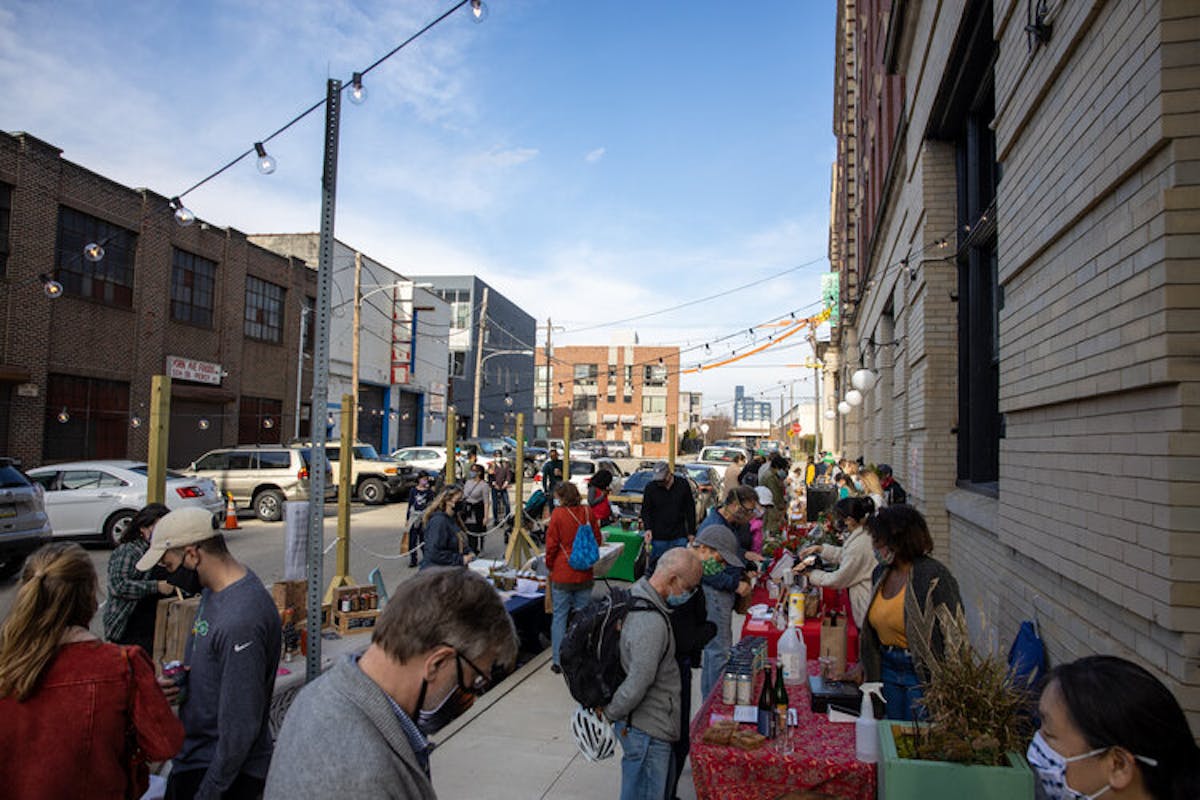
(531, 518)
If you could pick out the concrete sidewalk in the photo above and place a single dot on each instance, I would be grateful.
(516, 744)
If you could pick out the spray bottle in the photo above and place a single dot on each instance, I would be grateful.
(866, 729)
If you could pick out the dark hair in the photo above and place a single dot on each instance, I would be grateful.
(215, 545)
(741, 494)
(855, 507)
(568, 493)
(602, 479)
(778, 461)
(902, 530)
(145, 518)
(1116, 703)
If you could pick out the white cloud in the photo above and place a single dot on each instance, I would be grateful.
(595, 155)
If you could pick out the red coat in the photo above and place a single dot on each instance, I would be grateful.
(560, 536)
(67, 740)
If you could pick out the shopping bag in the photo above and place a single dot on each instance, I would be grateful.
(833, 643)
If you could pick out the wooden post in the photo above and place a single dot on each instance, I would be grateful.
(356, 325)
(341, 575)
(451, 433)
(566, 459)
(160, 428)
(671, 446)
(521, 547)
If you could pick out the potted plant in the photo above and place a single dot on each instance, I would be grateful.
(978, 728)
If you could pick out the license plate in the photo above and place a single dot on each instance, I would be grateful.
(7, 512)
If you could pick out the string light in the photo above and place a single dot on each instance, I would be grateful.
(135, 422)
(479, 10)
(93, 252)
(266, 163)
(268, 423)
(64, 416)
(358, 92)
(203, 424)
(182, 215)
(51, 287)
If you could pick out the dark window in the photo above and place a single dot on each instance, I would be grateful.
(5, 225)
(85, 418)
(458, 362)
(585, 374)
(109, 280)
(274, 459)
(584, 402)
(258, 421)
(655, 375)
(652, 434)
(192, 279)
(264, 310)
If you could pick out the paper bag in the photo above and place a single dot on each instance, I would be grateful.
(833, 644)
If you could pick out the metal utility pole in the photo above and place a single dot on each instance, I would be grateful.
(355, 342)
(320, 381)
(549, 397)
(479, 364)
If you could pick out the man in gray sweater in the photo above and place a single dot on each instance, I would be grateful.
(432, 652)
(645, 707)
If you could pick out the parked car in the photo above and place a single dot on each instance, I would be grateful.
(721, 456)
(99, 498)
(595, 447)
(729, 443)
(627, 503)
(550, 444)
(374, 479)
(428, 460)
(261, 476)
(534, 456)
(618, 448)
(582, 470)
(709, 480)
(24, 526)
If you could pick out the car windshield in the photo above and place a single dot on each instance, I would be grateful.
(582, 468)
(724, 455)
(142, 469)
(11, 478)
(365, 451)
(700, 474)
(636, 483)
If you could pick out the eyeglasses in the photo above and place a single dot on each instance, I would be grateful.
(483, 680)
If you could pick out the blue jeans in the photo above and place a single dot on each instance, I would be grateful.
(660, 546)
(716, 653)
(646, 764)
(500, 506)
(901, 685)
(565, 601)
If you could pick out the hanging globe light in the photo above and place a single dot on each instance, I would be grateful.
(863, 379)
(854, 397)
(830, 414)
(843, 408)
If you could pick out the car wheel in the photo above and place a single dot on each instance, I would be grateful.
(372, 491)
(268, 505)
(10, 564)
(116, 526)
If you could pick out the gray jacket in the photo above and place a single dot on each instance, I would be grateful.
(649, 696)
(341, 738)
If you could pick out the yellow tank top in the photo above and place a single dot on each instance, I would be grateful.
(887, 618)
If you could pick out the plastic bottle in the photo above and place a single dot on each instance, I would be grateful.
(793, 656)
(796, 605)
(866, 728)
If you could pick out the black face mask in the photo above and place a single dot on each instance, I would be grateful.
(187, 580)
(455, 704)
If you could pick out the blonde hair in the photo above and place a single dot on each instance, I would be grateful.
(442, 503)
(58, 590)
(871, 484)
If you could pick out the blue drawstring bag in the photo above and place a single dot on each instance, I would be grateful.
(584, 550)
(1027, 658)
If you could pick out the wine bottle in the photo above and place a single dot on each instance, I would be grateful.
(766, 706)
(781, 701)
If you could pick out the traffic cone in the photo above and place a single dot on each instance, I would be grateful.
(231, 523)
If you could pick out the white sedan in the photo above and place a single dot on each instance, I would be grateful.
(582, 470)
(99, 498)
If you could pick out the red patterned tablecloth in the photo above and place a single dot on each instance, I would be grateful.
(822, 758)
(811, 630)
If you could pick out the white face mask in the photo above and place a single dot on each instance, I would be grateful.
(1051, 769)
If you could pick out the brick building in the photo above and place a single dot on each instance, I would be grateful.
(1014, 220)
(199, 301)
(620, 392)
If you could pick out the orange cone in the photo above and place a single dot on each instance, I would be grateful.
(231, 523)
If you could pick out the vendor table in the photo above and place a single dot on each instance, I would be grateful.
(811, 630)
(822, 758)
(622, 569)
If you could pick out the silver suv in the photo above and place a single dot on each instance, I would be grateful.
(24, 526)
(261, 476)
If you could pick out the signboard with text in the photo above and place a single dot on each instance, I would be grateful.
(189, 369)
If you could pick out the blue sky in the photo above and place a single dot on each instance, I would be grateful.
(592, 161)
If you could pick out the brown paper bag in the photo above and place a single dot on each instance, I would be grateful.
(548, 604)
(833, 645)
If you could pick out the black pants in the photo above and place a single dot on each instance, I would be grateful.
(681, 746)
(416, 538)
(475, 527)
(184, 785)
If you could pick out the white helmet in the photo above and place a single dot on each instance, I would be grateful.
(593, 735)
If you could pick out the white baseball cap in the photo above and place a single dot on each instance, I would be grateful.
(764, 496)
(178, 528)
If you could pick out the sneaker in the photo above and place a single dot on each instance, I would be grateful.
(556, 669)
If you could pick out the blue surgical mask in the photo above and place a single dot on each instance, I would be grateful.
(885, 557)
(1051, 769)
(676, 600)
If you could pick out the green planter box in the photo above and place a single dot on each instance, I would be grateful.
(622, 570)
(914, 779)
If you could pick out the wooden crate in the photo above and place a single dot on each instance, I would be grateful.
(347, 622)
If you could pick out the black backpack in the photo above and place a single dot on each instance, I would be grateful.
(590, 652)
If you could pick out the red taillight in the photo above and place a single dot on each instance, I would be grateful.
(188, 492)
(302, 474)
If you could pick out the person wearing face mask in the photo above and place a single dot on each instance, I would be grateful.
(474, 496)
(231, 657)
(433, 650)
(645, 707)
(445, 541)
(1109, 728)
(724, 579)
(740, 508)
(133, 595)
(855, 558)
(773, 479)
(899, 587)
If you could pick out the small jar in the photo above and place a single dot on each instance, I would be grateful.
(729, 688)
(745, 688)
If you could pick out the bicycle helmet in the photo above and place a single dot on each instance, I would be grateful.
(593, 736)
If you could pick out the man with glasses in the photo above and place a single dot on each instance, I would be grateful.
(741, 505)
(432, 652)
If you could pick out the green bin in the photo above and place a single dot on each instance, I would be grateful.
(622, 570)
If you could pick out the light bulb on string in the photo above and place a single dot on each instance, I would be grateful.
(268, 423)
(51, 287)
(405, 415)
(203, 424)
(63, 416)
(479, 10)
(266, 163)
(358, 92)
(393, 416)
(93, 251)
(135, 422)
(182, 215)
(508, 400)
